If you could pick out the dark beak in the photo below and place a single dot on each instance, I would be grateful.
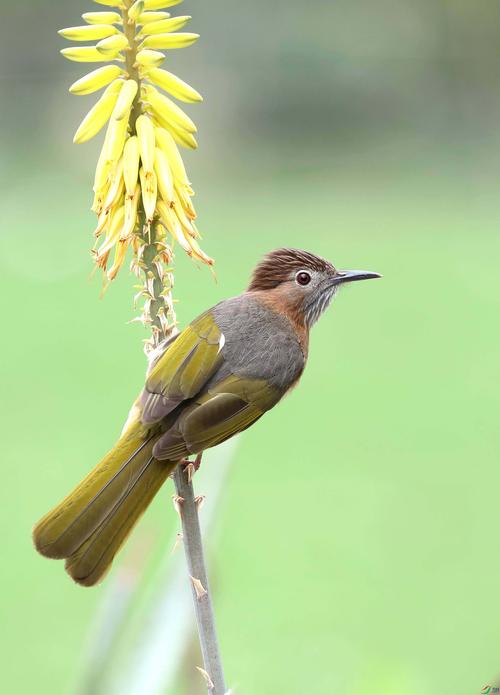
(353, 275)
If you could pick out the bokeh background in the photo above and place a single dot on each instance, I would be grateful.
(357, 540)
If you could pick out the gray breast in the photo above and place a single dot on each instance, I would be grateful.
(259, 342)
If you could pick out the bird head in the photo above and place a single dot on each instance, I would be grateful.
(300, 282)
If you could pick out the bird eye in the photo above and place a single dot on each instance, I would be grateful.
(303, 278)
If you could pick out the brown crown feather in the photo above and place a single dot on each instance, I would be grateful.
(277, 266)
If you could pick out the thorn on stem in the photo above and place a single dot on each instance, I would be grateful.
(178, 540)
(198, 500)
(199, 588)
(208, 680)
(178, 502)
(189, 470)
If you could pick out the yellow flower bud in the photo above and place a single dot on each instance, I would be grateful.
(102, 17)
(115, 139)
(96, 80)
(149, 190)
(146, 135)
(131, 164)
(147, 57)
(167, 109)
(166, 142)
(88, 33)
(169, 40)
(85, 54)
(164, 177)
(181, 136)
(112, 45)
(99, 114)
(166, 25)
(116, 188)
(136, 10)
(148, 17)
(125, 100)
(173, 84)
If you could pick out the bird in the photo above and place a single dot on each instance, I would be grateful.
(212, 380)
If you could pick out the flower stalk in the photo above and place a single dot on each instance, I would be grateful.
(142, 194)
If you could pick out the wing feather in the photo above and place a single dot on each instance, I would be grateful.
(216, 416)
(182, 371)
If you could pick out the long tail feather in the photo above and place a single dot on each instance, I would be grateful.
(89, 526)
(90, 563)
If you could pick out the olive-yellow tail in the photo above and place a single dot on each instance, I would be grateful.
(91, 524)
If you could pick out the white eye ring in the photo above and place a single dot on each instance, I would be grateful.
(303, 278)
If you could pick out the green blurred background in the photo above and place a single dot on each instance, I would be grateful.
(358, 541)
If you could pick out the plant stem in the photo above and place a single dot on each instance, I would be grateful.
(193, 548)
(159, 310)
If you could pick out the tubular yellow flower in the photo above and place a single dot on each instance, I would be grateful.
(131, 165)
(147, 57)
(142, 193)
(146, 135)
(101, 181)
(120, 253)
(112, 45)
(131, 206)
(164, 177)
(164, 26)
(173, 84)
(147, 17)
(186, 202)
(170, 221)
(125, 100)
(116, 187)
(99, 114)
(102, 17)
(136, 10)
(169, 40)
(166, 109)
(95, 80)
(113, 233)
(85, 54)
(186, 224)
(149, 187)
(88, 32)
(115, 139)
(181, 136)
(166, 142)
(198, 253)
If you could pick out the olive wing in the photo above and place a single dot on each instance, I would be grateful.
(183, 370)
(223, 411)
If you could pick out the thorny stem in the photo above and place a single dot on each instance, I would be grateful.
(158, 306)
(193, 546)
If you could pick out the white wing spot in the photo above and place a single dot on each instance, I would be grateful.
(222, 342)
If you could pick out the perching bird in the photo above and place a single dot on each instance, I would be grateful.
(214, 379)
